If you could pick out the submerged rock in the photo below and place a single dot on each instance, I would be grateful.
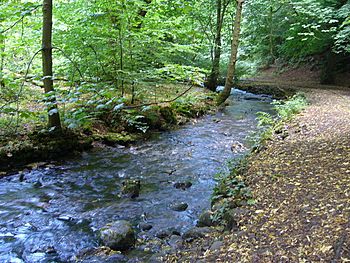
(118, 235)
(162, 234)
(131, 188)
(183, 185)
(179, 207)
(145, 226)
(66, 218)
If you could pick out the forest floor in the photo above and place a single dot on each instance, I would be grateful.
(301, 185)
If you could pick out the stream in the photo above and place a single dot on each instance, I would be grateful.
(53, 213)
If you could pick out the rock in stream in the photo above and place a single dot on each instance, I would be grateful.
(118, 235)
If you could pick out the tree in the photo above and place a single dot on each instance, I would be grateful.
(54, 117)
(212, 80)
(233, 58)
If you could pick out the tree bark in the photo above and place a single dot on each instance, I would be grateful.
(54, 117)
(212, 80)
(233, 58)
(2, 59)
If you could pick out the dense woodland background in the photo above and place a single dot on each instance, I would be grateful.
(108, 54)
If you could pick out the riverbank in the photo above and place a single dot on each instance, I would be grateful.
(124, 127)
(300, 185)
(172, 172)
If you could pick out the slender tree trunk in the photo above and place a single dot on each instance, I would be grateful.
(121, 57)
(2, 59)
(212, 80)
(329, 69)
(54, 117)
(233, 58)
(271, 34)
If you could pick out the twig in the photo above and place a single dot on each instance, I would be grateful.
(74, 64)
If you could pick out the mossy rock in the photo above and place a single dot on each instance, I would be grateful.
(131, 188)
(118, 235)
(153, 118)
(168, 115)
(183, 108)
(39, 148)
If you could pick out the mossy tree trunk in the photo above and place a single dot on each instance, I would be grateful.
(233, 58)
(212, 80)
(54, 117)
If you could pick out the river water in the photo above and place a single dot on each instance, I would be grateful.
(54, 212)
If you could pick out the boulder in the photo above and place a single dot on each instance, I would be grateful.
(175, 242)
(118, 235)
(216, 245)
(179, 207)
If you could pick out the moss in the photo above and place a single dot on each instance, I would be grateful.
(40, 146)
(153, 117)
(168, 115)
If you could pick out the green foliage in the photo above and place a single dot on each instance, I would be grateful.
(107, 52)
(231, 190)
(135, 121)
(305, 27)
(285, 110)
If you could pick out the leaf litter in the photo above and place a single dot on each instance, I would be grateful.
(302, 187)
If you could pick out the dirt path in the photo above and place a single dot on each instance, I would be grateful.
(302, 185)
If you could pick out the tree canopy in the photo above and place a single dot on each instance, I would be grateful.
(106, 50)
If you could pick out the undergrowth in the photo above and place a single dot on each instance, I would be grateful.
(270, 124)
(231, 190)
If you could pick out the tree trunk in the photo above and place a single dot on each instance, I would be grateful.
(329, 69)
(2, 59)
(212, 80)
(271, 35)
(233, 58)
(54, 117)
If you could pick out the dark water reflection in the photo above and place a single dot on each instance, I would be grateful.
(54, 212)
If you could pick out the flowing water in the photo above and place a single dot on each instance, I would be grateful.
(54, 212)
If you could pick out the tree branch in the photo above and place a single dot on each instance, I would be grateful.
(157, 103)
(19, 20)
